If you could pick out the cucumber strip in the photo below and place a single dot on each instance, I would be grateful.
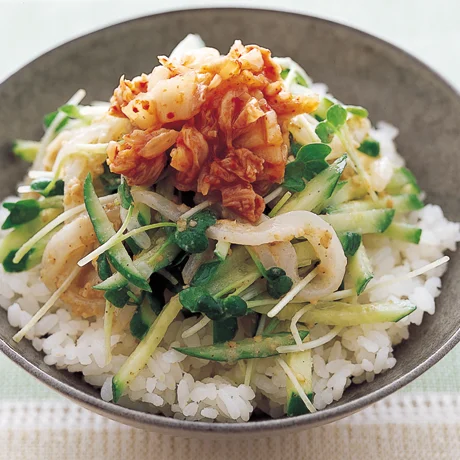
(280, 204)
(144, 217)
(318, 190)
(404, 232)
(22, 233)
(346, 314)
(55, 201)
(151, 262)
(26, 150)
(257, 261)
(347, 192)
(141, 322)
(144, 316)
(139, 357)
(406, 202)
(351, 206)
(261, 346)
(132, 245)
(350, 242)
(301, 364)
(343, 133)
(141, 240)
(117, 297)
(221, 251)
(401, 203)
(305, 253)
(32, 258)
(118, 256)
(235, 271)
(359, 270)
(324, 104)
(270, 329)
(36, 253)
(339, 186)
(402, 181)
(373, 221)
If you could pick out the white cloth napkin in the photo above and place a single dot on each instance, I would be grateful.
(404, 426)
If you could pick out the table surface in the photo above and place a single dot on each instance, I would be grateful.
(427, 29)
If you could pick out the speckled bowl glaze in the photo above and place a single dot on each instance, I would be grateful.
(357, 67)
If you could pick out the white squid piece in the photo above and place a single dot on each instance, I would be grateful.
(64, 250)
(284, 228)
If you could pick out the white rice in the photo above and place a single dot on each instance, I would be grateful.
(194, 389)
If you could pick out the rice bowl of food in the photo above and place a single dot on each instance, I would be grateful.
(222, 240)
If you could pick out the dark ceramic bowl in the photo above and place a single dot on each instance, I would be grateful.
(358, 68)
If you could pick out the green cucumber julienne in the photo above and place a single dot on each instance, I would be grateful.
(318, 190)
(221, 251)
(261, 346)
(401, 203)
(350, 242)
(104, 230)
(144, 217)
(301, 365)
(155, 259)
(404, 232)
(144, 316)
(346, 314)
(32, 258)
(373, 221)
(324, 104)
(346, 191)
(139, 357)
(117, 297)
(27, 150)
(22, 233)
(359, 271)
(402, 181)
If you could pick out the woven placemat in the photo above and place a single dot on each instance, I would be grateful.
(403, 426)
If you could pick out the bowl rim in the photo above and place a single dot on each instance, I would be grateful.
(183, 427)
